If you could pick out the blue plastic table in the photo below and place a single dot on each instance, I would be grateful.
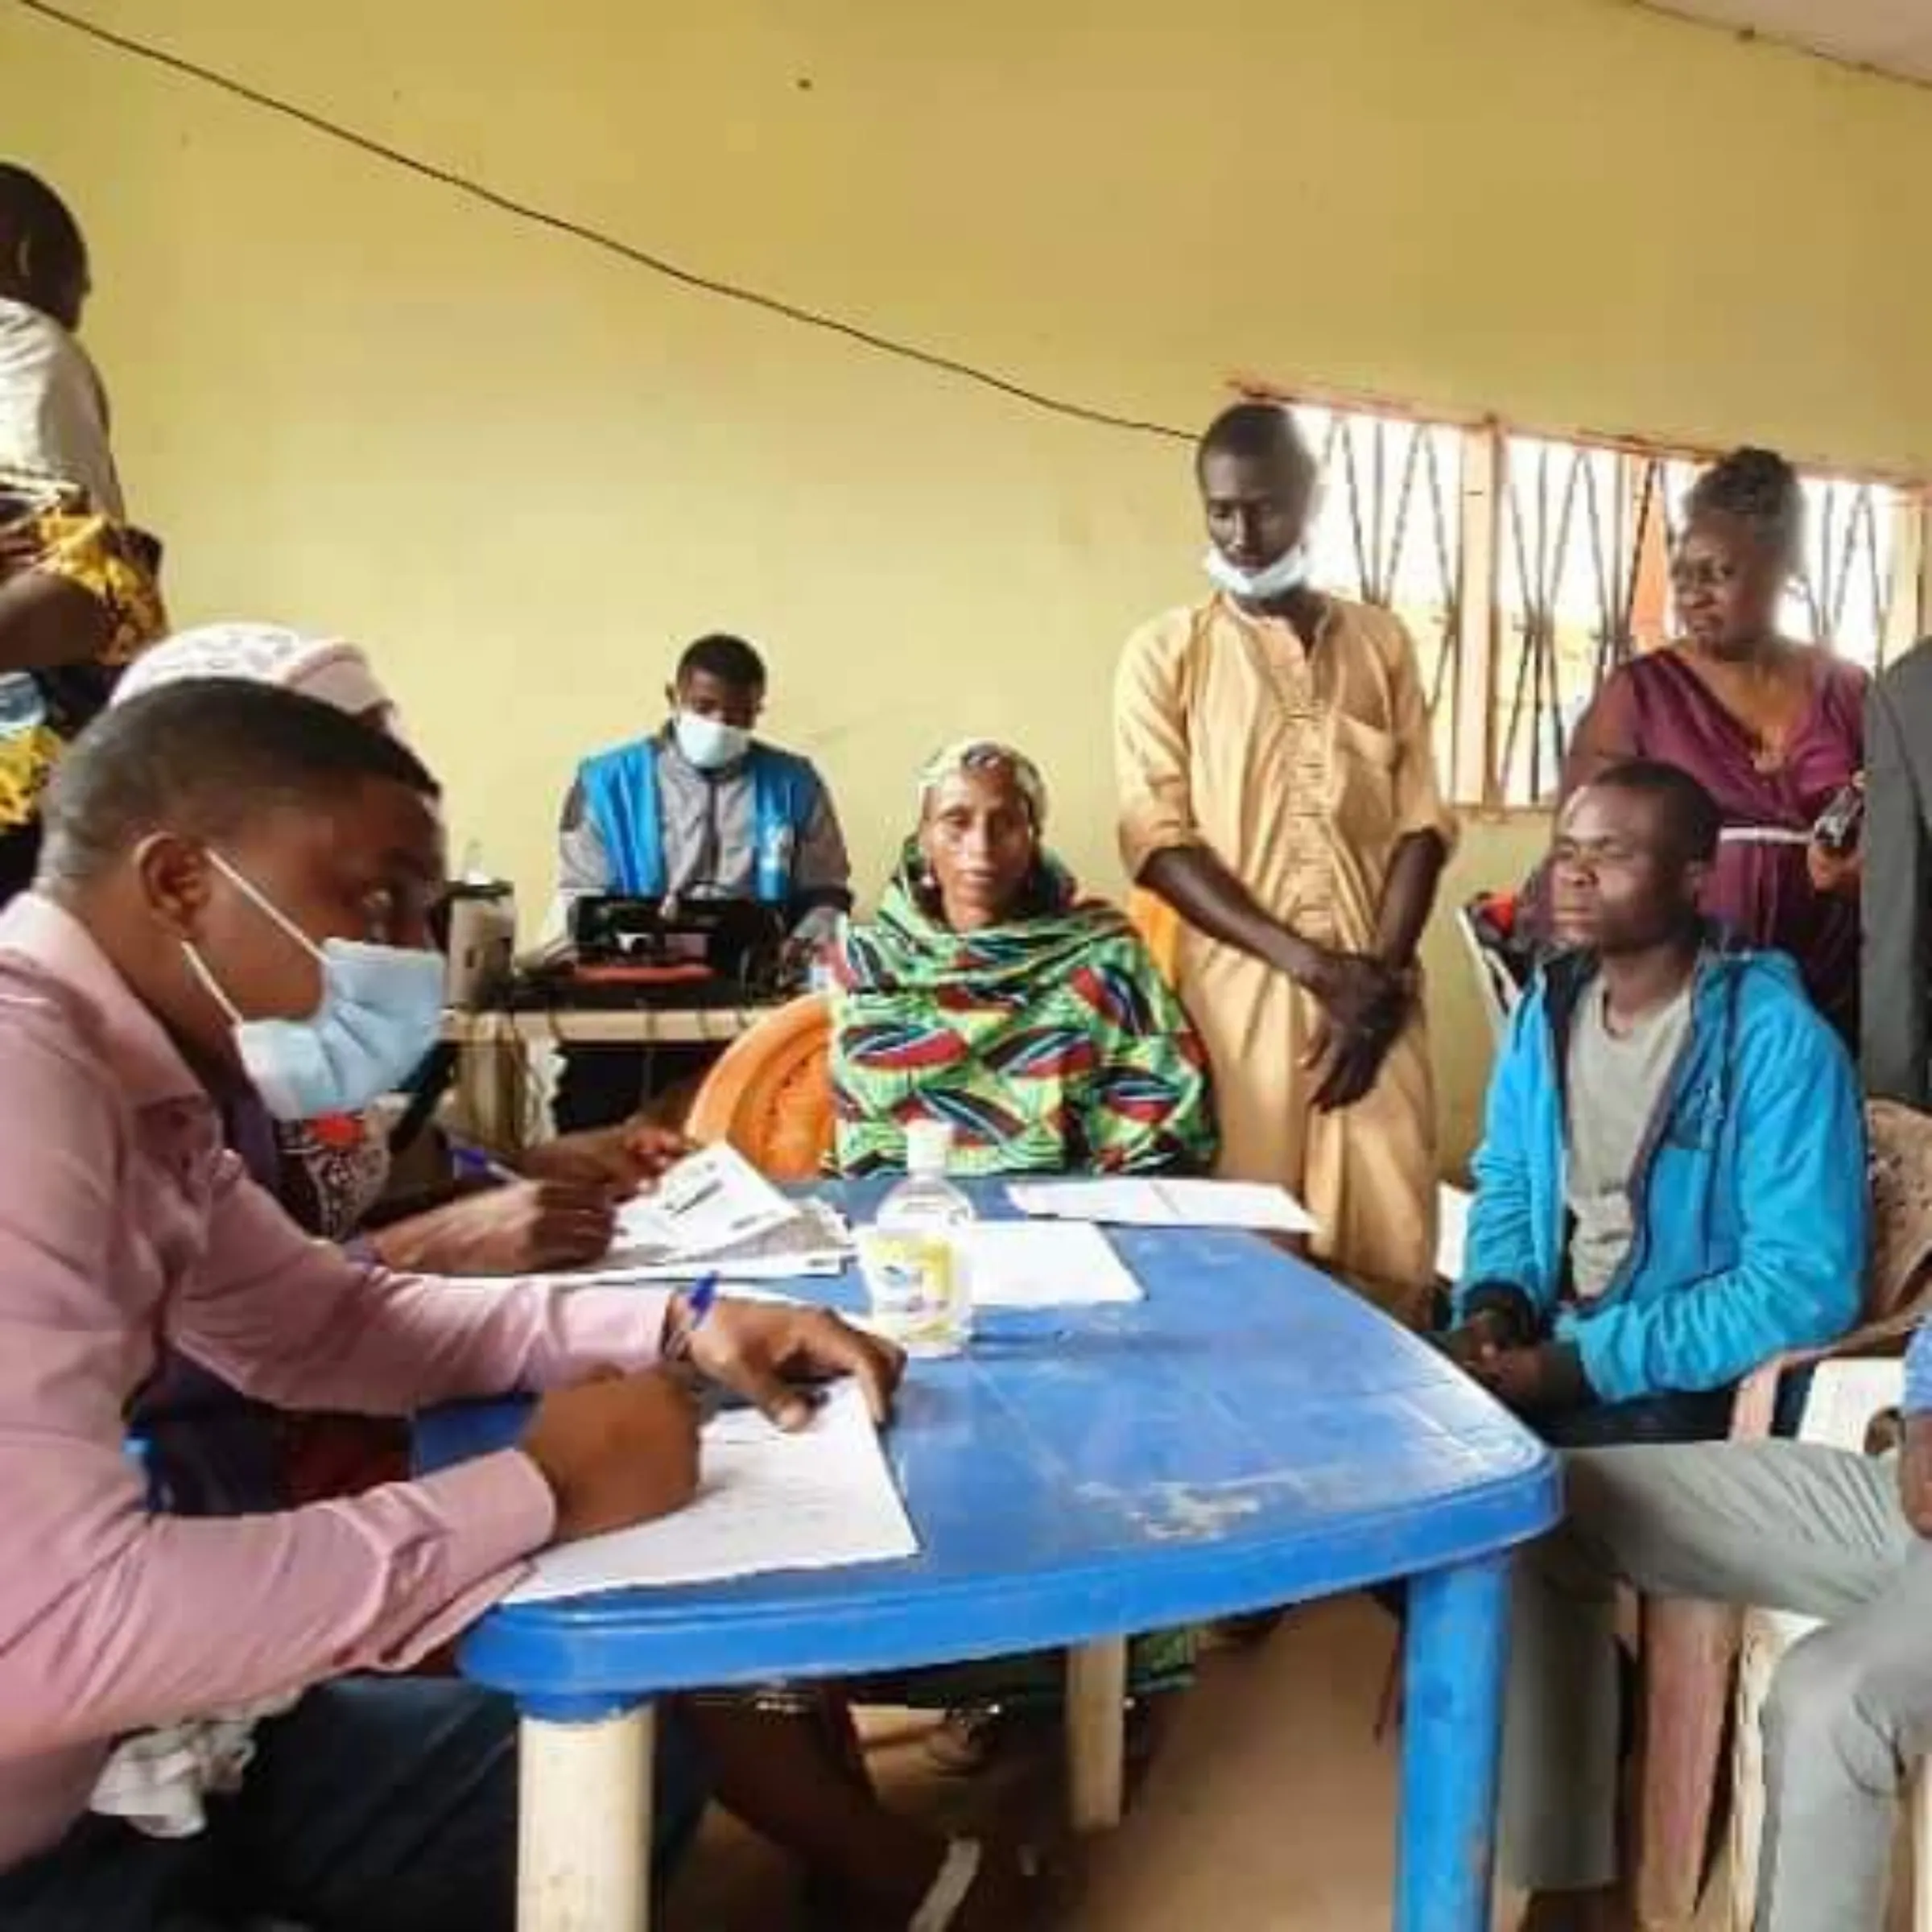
(1248, 1435)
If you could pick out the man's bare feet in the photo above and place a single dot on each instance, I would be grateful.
(1577, 1912)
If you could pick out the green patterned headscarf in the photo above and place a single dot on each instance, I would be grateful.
(1048, 1043)
(986, 754)
(907, 946)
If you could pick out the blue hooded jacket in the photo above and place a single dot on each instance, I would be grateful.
(1749, 1198)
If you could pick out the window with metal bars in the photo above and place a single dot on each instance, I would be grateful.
(1528, 567)
(1387, 530)
(1584, 582)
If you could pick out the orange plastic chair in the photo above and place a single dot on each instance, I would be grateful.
(1159, 926)
(1689, 1647)
(769, 1095)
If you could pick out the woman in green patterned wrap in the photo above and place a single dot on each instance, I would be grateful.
(987, 995)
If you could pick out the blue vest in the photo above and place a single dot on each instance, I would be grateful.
(621, 794)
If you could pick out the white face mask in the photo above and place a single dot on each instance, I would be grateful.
(381, 1012)
(1289, 572)
(709, 743)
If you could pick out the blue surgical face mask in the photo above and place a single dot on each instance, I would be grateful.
(381, 1012)
(1289, 572)
(709, 743)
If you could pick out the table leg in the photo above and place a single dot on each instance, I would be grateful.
(491, 1085)
(1097, 1733)
(583, 1825)
(1458, 1643)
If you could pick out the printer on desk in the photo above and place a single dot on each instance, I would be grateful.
(690, 951)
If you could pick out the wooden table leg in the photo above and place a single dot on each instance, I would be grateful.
(1097, 1734)
(583, 1825)
(492, 1074)
(1457, 1647)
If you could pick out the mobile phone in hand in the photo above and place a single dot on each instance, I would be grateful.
(1841, 821)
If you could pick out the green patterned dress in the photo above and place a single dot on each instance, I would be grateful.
(1051, 1045)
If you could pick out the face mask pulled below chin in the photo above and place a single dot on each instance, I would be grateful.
(708, 743)
(381, 1011)
(1289, 572)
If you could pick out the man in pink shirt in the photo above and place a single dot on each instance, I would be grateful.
(234, 890)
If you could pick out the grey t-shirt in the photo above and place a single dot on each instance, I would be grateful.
(1617, 1082)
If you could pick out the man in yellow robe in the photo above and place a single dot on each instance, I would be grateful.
(1278, 791)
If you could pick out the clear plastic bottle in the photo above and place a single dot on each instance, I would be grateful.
(922, 1288)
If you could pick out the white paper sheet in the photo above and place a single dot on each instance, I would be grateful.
(816, 1240)
(1149, 1202)
(1043, 1264)
(611, 1273)
(816, 1501)
(1452, 1207)
(711, 1201)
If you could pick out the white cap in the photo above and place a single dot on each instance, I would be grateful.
(928, 1147)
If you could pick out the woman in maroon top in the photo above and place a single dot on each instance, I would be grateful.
(1774, 730)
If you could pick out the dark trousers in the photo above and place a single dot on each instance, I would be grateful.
(377, 1805)
(602, 1086)
(19, 853)
(1704, 1417)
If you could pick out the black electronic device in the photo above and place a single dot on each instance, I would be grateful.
(630, 952)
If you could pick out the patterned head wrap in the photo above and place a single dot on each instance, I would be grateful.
(327, 669)
(986, 754)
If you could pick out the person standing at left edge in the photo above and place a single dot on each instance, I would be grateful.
(1278, 791)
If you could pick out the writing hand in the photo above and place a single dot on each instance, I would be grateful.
(632, 1154)
(521, 1228)
(772, 1355)
(616, 1450)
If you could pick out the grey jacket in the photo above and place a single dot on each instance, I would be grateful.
(1896, 985)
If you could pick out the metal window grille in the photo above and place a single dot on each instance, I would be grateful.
(1530, 568)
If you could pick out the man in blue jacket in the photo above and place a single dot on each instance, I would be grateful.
(700, 809)
(1672, 1186)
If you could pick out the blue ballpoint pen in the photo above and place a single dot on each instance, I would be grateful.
(697, 1305)
(474, 1164)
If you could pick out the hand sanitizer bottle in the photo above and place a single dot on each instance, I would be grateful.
(922, 1292)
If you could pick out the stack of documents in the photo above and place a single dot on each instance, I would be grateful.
(715, 1210)
(818, 1500)
(1154, 1203)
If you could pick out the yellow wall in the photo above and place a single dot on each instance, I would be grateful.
(521, 471)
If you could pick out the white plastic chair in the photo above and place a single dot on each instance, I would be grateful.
(1495, 987)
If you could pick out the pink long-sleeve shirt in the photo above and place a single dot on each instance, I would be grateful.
(123, 1223)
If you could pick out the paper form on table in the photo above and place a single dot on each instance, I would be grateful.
(1147, 1202)
(710, 1201)
(815, 1241)
(819, 1499)
(1043, 1265)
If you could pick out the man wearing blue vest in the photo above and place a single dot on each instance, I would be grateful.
(700, 809)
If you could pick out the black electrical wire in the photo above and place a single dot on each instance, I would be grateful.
(562, 224)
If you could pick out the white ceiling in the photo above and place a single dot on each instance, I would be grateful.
(1895, 36)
